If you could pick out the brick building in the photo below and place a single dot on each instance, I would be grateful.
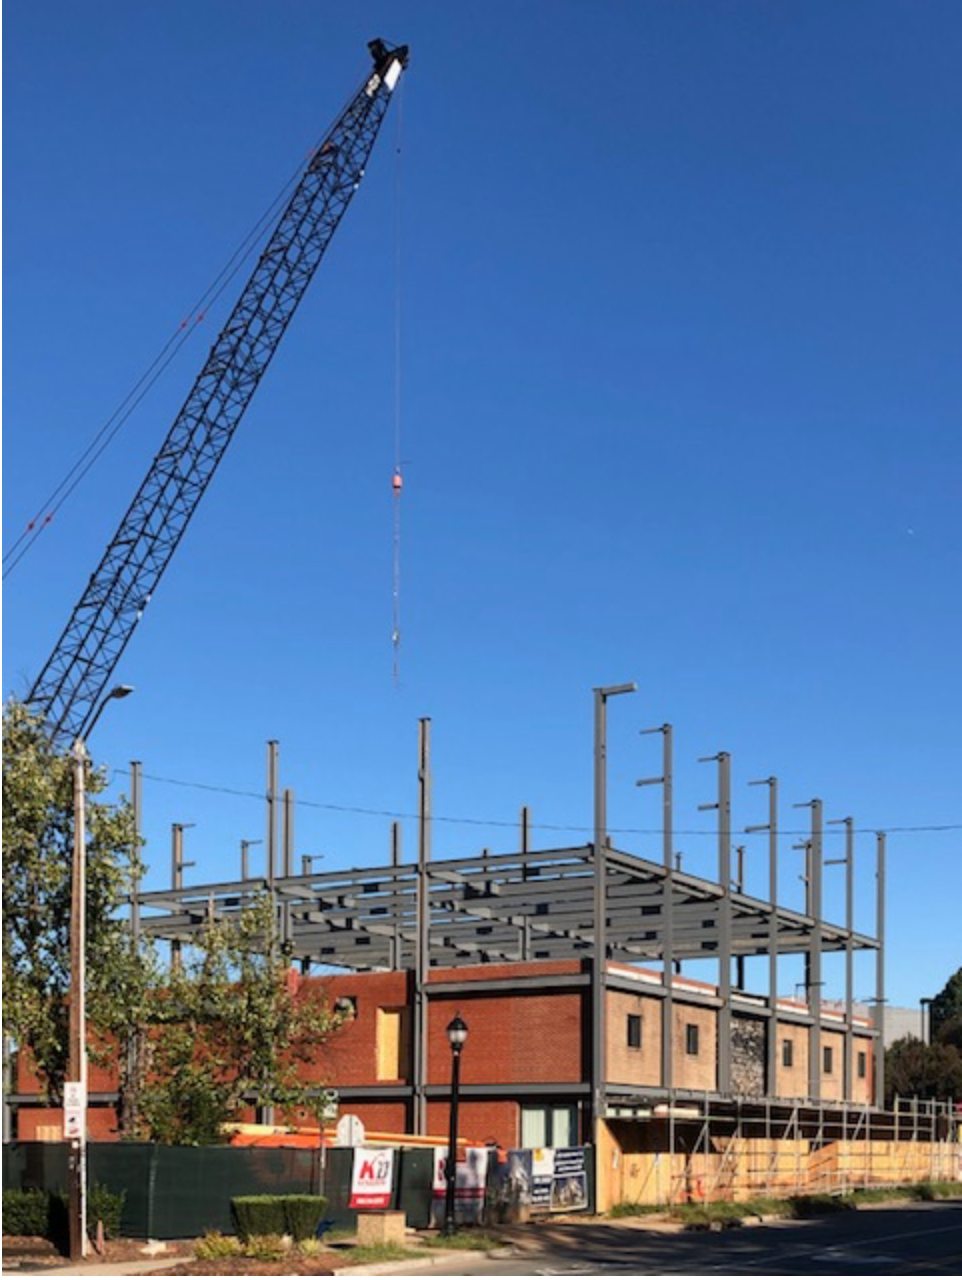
(526, 1068)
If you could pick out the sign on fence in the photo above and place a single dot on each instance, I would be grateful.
(469, 1181)
(549, 1179)
(372, 1180)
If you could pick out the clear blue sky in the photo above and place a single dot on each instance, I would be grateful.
(680, 365)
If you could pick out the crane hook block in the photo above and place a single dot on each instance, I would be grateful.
(397, 483)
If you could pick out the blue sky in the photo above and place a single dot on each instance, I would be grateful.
(680, 298)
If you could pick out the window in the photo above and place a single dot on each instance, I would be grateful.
(862, 1066)
(549, 1126)
(788, 1053)
(691, 1039)
(634, 1030)
(346, 1006)
(392, 1044)
(827, 1059)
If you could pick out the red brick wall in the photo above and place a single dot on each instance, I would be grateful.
(101, 1123)
(479, 1121)
(350, 1057)
(513, 1037)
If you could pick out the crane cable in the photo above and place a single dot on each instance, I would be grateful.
(397, 482)
(168, 352)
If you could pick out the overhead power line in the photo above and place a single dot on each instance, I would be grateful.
(398, 814)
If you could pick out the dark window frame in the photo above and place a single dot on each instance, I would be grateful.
(827, 1059)
(633, 1031)
(862, 1064)
(691, 1039)
(788, 1053)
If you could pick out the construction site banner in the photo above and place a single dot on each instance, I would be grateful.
(372, 1180)
(470, 1178)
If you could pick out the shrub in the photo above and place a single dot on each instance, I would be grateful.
(297, 1216)
(303, 1215)
(26, 1213)
(258, 1216)
(215, 1245)
(45, 1213)
(106, 1207)
(268, 1248)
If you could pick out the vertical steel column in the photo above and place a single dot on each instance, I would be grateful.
(525, 817)
(271, 842)
(771, 826)
(814, 967)
(178, 864)
(724, 807)
(879, 1055)
(599, 963)
(287, 852)
(740, 884)
(395, 944)
(422, 962)
(849, 863)
(666, 781)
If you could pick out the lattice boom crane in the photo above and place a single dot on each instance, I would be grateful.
(69, 688)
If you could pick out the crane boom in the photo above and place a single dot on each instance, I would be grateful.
(69, 688)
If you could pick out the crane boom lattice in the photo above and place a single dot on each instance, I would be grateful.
(70, 686)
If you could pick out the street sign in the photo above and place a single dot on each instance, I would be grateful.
(330, 1102)
(74, 1110)
(350, 1131)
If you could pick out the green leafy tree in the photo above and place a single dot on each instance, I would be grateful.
(230, 1026)
(917, 1070)
(948, 1003)
(38, 831)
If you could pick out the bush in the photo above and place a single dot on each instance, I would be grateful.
(297, 1216)
(258, 1216)
(26, 1213)
(106, 1207)
(215, 1245)
(268, 1248)
(45, 1213)
(303, 1215)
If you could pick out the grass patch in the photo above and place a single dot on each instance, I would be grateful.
(477, 1240)
(371, 1253)
(631, 1209)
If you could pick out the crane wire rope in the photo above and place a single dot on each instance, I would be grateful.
(147, 380)
(397, 479)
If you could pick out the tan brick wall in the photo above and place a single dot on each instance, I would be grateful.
(634, 1066)
(691, 1071)
(792, 1082)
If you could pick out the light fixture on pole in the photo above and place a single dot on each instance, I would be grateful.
(457, 1030)
(75, 1088)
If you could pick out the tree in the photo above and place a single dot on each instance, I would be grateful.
(229, 1027)
(38, 833)
(948, 1003)
(917, 1070)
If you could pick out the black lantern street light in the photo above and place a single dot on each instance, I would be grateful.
(457, 1034)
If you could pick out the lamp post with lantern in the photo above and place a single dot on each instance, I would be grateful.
(457, 1030)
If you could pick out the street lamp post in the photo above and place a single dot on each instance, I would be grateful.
(457, 1034)
(75, 1100)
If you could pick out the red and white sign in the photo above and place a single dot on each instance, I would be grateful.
(372, 1179)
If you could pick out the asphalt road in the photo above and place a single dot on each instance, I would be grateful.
(916, 1240)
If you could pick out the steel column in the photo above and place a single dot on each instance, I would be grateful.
(599, 964)
(724, 807)
(666, 781)
(771, 826)
(879, 1054)
(422, 962)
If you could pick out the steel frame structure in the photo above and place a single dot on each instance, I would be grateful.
(592, 902)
